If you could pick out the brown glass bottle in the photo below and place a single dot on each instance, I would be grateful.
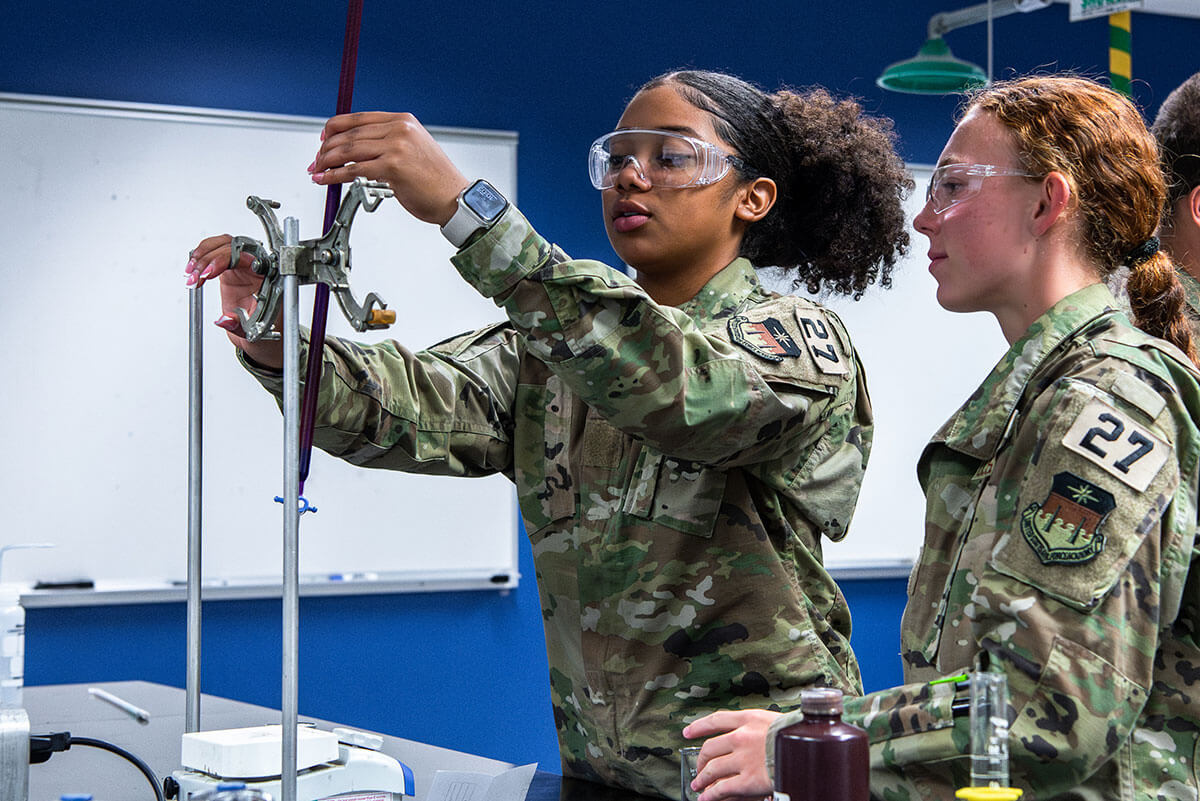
(822, 758)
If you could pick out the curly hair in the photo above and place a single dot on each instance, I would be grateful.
(838, 223)
(1177, 129)
(1096, 138)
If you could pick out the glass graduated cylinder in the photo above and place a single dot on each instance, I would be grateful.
(989, 730)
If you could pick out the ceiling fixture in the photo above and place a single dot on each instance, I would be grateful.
(935, 70)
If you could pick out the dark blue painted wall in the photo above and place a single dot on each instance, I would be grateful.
(466, 670)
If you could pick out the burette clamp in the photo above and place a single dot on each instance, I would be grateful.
(323, 260)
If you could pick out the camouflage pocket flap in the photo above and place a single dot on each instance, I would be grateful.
(679, 494)
(1079, 698)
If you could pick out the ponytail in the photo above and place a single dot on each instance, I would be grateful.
(1159, 305)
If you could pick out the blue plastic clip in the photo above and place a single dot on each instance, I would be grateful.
(304, 507)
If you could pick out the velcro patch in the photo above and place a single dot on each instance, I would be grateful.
(1064, 529)
(1115, 442)
(766, 338)
(821, 341)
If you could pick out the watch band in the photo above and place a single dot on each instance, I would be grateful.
(480, 205)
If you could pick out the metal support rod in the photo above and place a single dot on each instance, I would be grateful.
(291, 512)
(946, 21)
(991, 17)
(195, 467)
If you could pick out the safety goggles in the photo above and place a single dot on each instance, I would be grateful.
(663, 158)
(951, 184)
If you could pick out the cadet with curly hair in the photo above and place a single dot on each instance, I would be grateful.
(681, 442)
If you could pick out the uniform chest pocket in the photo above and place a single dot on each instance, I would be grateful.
(676, 493)
(546, 486)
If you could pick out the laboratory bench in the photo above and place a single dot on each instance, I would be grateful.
(69, 707)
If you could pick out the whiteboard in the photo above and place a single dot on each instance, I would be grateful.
(102, 203)
(922, 362)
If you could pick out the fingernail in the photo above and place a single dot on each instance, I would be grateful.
(226, 322)
(207, 271)
(191, 280)
(313, 166)
(317, 176)
(322, 134)
(190, 265)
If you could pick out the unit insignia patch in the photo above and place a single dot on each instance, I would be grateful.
(766, 338)
(1064, 529)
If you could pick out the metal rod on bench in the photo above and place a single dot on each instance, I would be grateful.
(291, 507)
(195, 468)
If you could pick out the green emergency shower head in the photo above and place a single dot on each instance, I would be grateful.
(933, 71)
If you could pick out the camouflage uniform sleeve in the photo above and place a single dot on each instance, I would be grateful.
(909, 725)
(445, 410)
(649, 369)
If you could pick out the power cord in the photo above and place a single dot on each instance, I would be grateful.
(42, 746)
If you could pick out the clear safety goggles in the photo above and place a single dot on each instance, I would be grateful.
(663, 158)
(951, 184)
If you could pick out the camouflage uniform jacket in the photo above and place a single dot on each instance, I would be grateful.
(1191, 290)
(1060, 529)
(675, 484)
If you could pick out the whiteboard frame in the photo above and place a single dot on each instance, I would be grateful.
(116, 591)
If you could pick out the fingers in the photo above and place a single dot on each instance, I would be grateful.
(357, 120)
(733, 774)
(394, 149)
(361, 145)
(211, 258)
(737, 788)
(720, 722)
(732, 763)
(230, 324)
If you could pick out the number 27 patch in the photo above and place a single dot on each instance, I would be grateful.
(1116, 443)
(821, 341)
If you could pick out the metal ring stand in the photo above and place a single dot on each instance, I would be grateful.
(290, 262)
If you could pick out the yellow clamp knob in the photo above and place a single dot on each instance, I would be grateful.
(381, 317)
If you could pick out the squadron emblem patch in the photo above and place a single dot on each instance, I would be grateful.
(1064, 529)
(766, 338)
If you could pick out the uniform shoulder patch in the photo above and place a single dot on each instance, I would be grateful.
(1065, 528)
(767, 338)
(821, 341)
(1118, 444)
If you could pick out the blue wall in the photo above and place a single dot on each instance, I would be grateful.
(466, 670)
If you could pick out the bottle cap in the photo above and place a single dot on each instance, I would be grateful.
(821, 701)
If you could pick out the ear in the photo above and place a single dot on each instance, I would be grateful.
(1054, 199)
(757, 198)
(1193, 205)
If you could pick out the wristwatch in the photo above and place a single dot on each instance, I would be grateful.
(479, 206)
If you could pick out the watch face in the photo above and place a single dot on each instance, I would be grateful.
(485, 201)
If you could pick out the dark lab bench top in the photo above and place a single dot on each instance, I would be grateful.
(69, 707)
